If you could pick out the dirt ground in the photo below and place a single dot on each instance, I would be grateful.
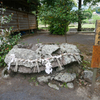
(21, 87)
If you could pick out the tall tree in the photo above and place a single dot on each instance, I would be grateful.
(79, 15)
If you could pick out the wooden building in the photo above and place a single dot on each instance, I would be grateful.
(22, 18)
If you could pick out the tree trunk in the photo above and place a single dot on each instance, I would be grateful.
(36, 19)
(65, 34)
(79, 17)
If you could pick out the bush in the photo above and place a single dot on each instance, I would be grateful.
(58, 16)
(7, 41)
(6, 46)
(57, 29)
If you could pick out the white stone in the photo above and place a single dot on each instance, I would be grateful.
(70, 85)
(54, 86)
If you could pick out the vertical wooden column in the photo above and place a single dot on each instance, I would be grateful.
(17, 20)
(94, 57)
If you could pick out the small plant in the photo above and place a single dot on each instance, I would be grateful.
(77, 74)
(85, 64)
(65, 85)
(33, 79)
(38, 40)
(36, 83)
(82, 83)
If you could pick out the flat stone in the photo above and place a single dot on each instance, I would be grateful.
(49, 49)
(54, 86)
(65, 77)
(70, 85)
(21, 54)
(69, 48)
(43, 79)
(42, 51)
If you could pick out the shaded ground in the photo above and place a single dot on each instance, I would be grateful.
(21, 87)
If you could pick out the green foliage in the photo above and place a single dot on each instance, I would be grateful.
(95, 17)
(65, 85)
(93, 2)
(85, 64)
(6, 46)
(87, 14)
(57, 16)
(33, 4)
(57, 29)
(7, 41)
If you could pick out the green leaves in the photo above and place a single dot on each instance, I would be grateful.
(7, 41)
(6, 46)
(57, 15)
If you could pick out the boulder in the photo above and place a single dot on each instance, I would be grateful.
(65, 77)
(21, 53)
(88, 74)
(34, 60)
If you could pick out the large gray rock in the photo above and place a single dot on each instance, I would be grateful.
(21, 53)
(88, 74)
(65, 77)
(42, 51)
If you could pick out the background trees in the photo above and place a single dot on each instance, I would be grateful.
(58, 15)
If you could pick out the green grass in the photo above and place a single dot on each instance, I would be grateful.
(83, 26)
(88, 26)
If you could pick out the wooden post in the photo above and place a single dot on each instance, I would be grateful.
(97, 43)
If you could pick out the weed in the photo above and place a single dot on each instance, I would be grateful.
(38, 40)
(36, 83)
(85, 64)
(65, 85)
(33, 79)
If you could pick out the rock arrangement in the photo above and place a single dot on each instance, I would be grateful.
(63, 77)
(41, 57)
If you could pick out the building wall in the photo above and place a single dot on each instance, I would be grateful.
(20, 20)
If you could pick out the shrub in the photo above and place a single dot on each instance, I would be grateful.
(7, 41)
(59, 15)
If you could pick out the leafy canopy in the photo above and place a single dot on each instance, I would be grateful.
(60, 11)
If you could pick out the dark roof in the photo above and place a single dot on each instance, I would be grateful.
(21, 5)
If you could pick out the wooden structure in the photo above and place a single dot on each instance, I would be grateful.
(22, 19)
